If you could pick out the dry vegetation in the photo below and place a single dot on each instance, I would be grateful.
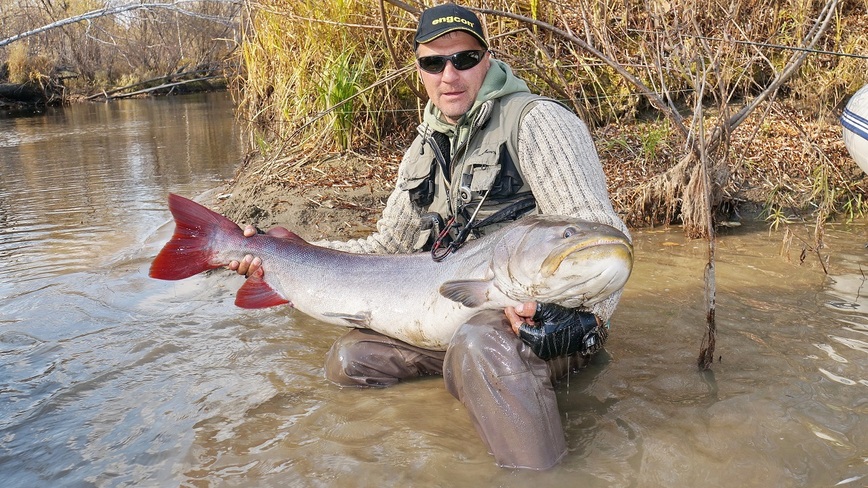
(696, 107)
(73, 48)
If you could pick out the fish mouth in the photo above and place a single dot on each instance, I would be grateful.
(603, 246)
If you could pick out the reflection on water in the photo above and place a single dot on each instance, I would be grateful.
(109, 378)
(848, 303)
(79, 181)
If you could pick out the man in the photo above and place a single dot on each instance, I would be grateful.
(487, 152)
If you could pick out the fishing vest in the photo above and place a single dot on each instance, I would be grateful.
(485, 181)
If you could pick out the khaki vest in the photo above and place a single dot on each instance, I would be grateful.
(485, 164)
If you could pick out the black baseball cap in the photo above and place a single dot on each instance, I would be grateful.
(444, 18)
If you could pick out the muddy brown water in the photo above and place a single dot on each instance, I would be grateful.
(109, 378)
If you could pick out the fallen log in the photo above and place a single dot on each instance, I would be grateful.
(107, 94)
(22, 93)
(164, 86)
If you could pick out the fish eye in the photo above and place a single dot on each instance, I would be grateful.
(569, 232)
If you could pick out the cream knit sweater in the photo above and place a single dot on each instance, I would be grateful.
(559, 162)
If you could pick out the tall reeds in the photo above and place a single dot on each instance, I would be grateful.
(290, 46)
(311, 72)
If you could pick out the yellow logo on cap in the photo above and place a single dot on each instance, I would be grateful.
(451, 19)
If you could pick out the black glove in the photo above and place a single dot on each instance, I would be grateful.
(561, 331)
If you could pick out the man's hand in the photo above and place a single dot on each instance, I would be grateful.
(250, 264)
(551, 330)
(520, 315)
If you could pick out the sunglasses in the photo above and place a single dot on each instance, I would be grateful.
(461, 60)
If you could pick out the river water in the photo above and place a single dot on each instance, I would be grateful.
(110, 378)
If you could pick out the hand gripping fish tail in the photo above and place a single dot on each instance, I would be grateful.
(189, 252)
(194, 248)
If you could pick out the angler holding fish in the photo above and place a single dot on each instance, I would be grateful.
(501, 309)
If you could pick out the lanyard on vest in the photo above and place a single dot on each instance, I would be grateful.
(443, 246)
(441, 249)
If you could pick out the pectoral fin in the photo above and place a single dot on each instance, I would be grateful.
(256, 293)
(362, 320)
(471, 293)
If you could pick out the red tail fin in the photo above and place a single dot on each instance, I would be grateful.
(189, 252)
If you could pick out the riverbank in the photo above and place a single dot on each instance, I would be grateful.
(336, 197)
(784, 165)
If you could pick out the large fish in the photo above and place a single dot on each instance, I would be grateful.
(406, 296)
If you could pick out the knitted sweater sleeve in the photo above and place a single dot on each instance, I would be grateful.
(397, 229)
(560, 164)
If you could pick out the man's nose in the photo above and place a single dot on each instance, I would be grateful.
(449, 73)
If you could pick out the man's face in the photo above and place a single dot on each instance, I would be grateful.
(453, 91)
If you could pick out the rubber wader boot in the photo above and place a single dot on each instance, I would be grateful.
(363, 357)
(507, 391)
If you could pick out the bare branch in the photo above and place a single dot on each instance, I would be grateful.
(174, 6)
(795, 62)
(412, 86)
(652, 97)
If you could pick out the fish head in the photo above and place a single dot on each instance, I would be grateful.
(562, 260)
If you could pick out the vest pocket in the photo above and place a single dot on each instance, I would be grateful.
(481, 169)
(416, 176)
(412, 173)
